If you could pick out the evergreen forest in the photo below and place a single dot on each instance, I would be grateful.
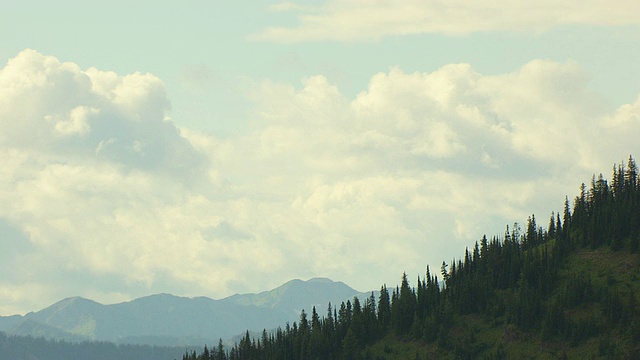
(13, 347)
(566, 288)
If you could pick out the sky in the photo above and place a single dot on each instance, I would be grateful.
(207, 148)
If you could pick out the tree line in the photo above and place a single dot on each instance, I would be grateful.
(13, 347)
(512, 277)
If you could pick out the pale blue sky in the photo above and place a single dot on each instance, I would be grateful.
(183, 42)
(338, 138)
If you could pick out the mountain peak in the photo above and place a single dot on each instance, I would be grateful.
(311, 281)
(73, 301)
(161, 296)
(176, 319)
(322, 280)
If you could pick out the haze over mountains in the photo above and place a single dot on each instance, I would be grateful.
(169, 320)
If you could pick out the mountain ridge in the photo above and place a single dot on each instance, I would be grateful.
(167, 319)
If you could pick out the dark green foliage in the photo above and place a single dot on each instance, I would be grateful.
(29, 348)
(404, 306)
(511, 281)
(384, 308)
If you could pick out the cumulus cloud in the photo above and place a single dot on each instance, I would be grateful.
(417, 153)
(87, 154)
(356, 20)
(626, 115)
(406, 173)
(56, 107)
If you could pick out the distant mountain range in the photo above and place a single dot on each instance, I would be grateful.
(170, 320)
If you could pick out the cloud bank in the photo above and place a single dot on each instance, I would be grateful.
(103, 196)
(357, 20)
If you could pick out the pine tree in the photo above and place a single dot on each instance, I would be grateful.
(445, 274)
(384, 308)
(405, 308)
(631, 176)
(220, 354)
(551, 229)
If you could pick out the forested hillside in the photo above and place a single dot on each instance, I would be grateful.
(564, 290)
(29, 348)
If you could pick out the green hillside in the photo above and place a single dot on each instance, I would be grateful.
(590, 322)
(566, 290)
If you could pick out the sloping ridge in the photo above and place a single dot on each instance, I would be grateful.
(289, 297)
(165, 319)
(76, 316)
(36, 329)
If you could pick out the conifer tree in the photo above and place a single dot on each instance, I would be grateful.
(384, 308)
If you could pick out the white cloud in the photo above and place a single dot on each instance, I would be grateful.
(17, 298)
(56, 107)
(626, 115)
(355, 20)
(418, 157)
(405, 174)
(75, 123)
